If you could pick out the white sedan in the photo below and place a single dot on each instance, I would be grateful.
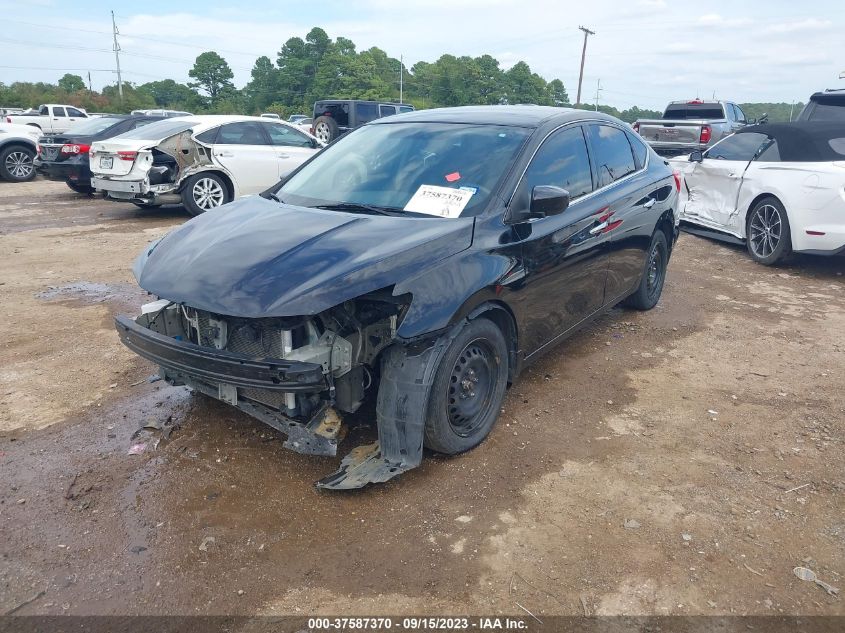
(777, 188)
(201, 161)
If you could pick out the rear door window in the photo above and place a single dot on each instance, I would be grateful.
(209, 136)
(338, 111)
(59, 112)
(770, 153)
(74, 112)
(612, 154)
(562, 161)
(386, 110)
(740, 147)
(241, 133)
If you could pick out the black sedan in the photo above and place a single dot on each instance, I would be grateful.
(423, 260)
(65, 157)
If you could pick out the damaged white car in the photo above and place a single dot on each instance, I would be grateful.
(201, 162)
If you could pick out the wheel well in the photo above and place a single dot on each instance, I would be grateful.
(503, 318)
(33, 125)
(667, 225)
(20, 144)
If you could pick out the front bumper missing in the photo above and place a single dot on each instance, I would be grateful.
(406, 379)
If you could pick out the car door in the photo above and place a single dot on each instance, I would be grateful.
(565, 254)
(58, 120)
(713, 185)
(243, 150)
(292, 146)
(631, 196)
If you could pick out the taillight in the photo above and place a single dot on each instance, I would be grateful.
(73, 148)
(677, 176)
(127, 155)
(636, 127)
(8, 119)
(38, 149)
(706, 134)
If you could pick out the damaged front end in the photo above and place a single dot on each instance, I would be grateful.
(300, 375)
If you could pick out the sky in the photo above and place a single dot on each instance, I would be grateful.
(645, 52)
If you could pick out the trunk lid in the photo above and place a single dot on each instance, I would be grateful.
(116, 156)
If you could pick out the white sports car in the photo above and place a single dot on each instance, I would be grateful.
(200, 161)
(778, 188)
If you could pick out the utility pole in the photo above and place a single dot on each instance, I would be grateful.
(401, 72)
(791, 110)
(598, 90)
(117, 57)
(587, 32)
(89, 82)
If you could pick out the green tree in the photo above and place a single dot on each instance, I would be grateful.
(524, 86)
(556, 93)
(263, 89)
(170, 94)
(213, 76)
(71, 83)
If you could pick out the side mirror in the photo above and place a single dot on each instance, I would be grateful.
(696, 156)
(763, 119)
(546, 200)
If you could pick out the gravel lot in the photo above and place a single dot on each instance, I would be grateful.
(681, 461)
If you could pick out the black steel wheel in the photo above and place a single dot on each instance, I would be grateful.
(468, 389)
(648, 292)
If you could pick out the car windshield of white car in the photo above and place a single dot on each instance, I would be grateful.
(159, 129)
(435, 169)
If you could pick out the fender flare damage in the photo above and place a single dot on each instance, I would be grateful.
(407, 376)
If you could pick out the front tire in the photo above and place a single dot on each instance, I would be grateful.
(203, 192)
(16, 163)
(468, 389)
(768, 234)
(654, 275)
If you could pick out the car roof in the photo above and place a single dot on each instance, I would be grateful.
(531, 116)
(829, 94)
(206, 121)
(802, 141)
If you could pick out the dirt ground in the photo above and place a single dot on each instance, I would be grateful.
(680, 461)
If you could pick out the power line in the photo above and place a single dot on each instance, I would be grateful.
(587, 32)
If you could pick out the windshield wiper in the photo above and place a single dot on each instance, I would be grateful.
(355, 206)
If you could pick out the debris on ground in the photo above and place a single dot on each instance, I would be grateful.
(208, 540)
(631, 524)
(137, 448)
(809, 575)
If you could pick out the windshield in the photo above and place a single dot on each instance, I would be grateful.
(93, 126)
(159, 129)
(441, 169)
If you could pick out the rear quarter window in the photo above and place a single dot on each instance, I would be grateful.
(837, 145)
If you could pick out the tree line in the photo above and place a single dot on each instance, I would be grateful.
(317, 67)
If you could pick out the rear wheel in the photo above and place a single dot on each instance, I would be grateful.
(203, 192)
(326, 129)
(654, 275)
(16, 163)
(768, 232)
(468, 389)
(87, 189)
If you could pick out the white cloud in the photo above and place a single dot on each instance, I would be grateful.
(800, 26)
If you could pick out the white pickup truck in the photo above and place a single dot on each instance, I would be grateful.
(50, 118)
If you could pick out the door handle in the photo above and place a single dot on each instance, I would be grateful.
(284, 156)
(599, 228)
(225, 154)
(648, 204)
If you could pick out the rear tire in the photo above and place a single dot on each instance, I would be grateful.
(767, 231)
(16, 163)
(654, 275)
(468, 389)
(326, 129)
(203, 192)
(86, 189)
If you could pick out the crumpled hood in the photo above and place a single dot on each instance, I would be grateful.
(259, 258)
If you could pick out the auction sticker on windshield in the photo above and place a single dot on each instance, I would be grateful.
(444, 202)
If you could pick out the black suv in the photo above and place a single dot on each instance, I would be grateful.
(825, 106)
(333, 117)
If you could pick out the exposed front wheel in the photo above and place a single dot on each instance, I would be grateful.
(204, 192)
(654, 275)
(16, 163)
(768, 233)
(468, 389)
